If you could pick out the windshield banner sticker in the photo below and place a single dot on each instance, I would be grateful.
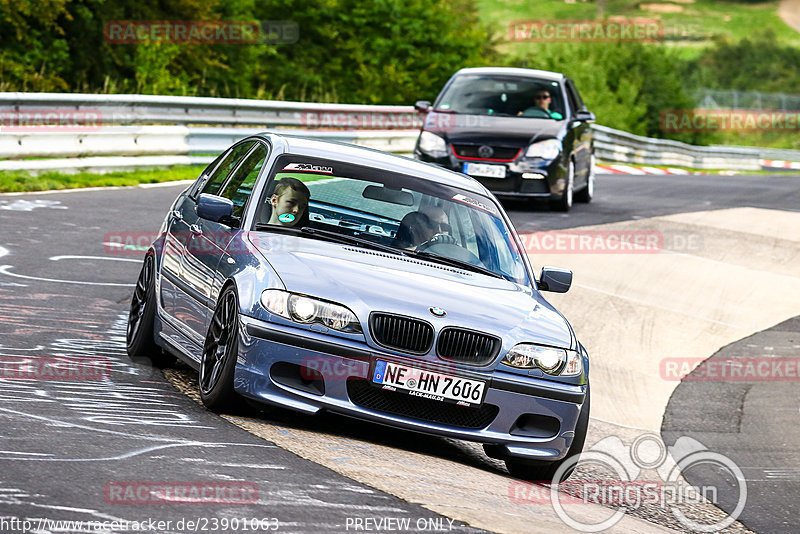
(307, 167)
(476, 203)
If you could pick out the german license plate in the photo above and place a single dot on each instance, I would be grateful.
(482, 169)
(429, 385)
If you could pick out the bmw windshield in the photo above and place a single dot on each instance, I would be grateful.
(394, 212)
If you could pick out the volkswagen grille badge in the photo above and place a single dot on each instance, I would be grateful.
(438, 312)
(485, 151)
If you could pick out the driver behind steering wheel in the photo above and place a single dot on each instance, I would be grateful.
(439, 227)
(428, 226)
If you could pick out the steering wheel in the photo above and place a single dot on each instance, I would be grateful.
(535, 113)
(446, 246)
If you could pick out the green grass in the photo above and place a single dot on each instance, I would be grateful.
(20, 181)
(689, 30)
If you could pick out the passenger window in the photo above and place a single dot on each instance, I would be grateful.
(216, 180)
(240, 186)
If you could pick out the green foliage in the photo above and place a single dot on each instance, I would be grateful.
(756, 63)
(382, 51)
(627, 85)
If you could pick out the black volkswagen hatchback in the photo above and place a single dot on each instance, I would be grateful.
(520, 132)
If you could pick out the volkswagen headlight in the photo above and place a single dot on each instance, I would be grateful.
(308, 310)
(433, 145)
(551, 360)
(548, 149)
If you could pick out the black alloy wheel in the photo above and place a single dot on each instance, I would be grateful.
(219, 354)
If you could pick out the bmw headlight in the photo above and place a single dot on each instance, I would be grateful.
(308, 310)
(553, 361)
(433, 145)
(548, 149)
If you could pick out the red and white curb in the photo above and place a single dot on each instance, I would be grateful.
(780, 164)
(626, 169)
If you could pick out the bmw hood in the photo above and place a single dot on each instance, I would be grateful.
(493, 130)
(367, 280)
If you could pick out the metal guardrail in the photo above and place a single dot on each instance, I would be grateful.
(732, 99)
(623, 147)
(138, 147)
(116, 132)
(154, 109)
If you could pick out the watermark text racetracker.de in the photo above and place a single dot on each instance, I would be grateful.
(643, 475)
(360, 120)
(52, 119)
(745, 369)
(55, 368)
(610, 30)
(180, 492)
(728, 120)
(596, 31)
(200, 31)
(191, 524)
(609, 242)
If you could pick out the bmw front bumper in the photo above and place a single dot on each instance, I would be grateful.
(309, 372)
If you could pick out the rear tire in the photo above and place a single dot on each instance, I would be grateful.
(564, 202)
(140, 342)
(544, 471)
(221, 347)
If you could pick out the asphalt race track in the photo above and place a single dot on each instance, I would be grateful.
(71, 448)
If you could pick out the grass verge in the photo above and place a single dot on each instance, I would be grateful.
(21, 181)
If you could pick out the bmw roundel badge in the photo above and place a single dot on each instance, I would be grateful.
(438, 312)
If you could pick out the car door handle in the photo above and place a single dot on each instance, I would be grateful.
(195, 229)
(177, 214)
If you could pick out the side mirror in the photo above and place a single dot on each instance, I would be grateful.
(423, 106)
(585, 116)
(214, 208)
(555, 279)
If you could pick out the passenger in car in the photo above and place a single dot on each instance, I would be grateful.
(289, 201)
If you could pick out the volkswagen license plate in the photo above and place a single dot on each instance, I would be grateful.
(482, 169)
(428, 384)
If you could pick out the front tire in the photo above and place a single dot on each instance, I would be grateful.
(564, 202)
(140, 342)
(586, 194)
(544, 471)
(220, 350)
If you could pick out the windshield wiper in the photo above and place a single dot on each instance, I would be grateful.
(455, 263)
(332, 236)
(351, 240)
